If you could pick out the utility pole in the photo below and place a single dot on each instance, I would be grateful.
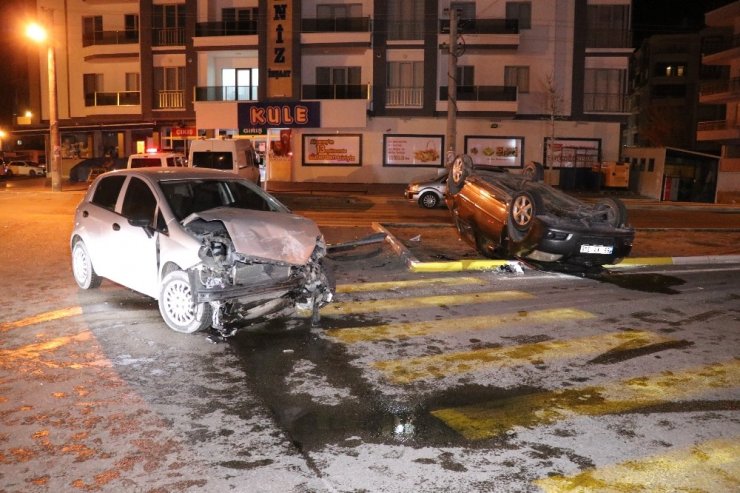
(452, 89)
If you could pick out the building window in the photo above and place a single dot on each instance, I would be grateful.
(605, 91)
(651, 164)
(92, 30)
(337, 83)
(405, 19)
(405, 84)
(239, 84)
(132, 81)
(168, 24)
(338, 11)
(131, 23)
(521, 12)
(466, 10)
(239, 20)
(608, 26)
(670, 70)
(92, 84)
(169, 83)
(515, 76)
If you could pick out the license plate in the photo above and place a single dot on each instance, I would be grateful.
(605, 250)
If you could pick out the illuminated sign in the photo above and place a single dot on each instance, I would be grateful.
(184, 132)
(280, 48)
(304, 114)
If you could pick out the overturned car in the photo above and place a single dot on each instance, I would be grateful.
(214, 249)
(505, 214)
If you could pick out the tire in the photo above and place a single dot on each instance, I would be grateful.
(82, 267)
(32, 173)
(534, 171)
(429, 200)
(614, 211)
(525, 205)
(462, 167)
(176, 305)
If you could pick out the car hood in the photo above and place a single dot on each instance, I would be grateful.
(276, 236)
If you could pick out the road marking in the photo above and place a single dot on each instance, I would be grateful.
(411, 283)
(374, 306)
(709, 466)
(10, 357)
(442, 365)
(42, 317)
(460, 324)
(492, 418)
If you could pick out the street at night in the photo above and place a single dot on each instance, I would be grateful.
(466, 380)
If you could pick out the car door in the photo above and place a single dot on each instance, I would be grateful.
(135, 238)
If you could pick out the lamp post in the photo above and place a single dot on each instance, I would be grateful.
(39, 34)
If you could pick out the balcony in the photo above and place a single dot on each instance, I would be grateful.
(226, 93)
(720, 91)
(344, 31)
(499, 99)
(170, 36)
(121, 98)
(336, 91)
(110, 38)
(226, 28)
(720, 51)
(169, 100)
(718, 131)
(483, 33)
(404, 97)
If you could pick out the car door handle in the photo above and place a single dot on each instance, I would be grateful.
(116, 227)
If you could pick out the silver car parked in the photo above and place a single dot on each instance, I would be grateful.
(213, 248)
(427, 193)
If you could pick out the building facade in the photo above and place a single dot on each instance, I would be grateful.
(343, 90)
(724, 53)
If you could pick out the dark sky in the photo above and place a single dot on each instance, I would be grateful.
(648, 17)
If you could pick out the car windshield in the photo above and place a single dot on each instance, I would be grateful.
(189, 196)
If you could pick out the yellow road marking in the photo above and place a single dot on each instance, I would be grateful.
(10, 357)
(42, 317)
(710, 466)
(457, 265)
(492, 418)
(411, 283)
(417, 329)
(441, 365)
(372, 306)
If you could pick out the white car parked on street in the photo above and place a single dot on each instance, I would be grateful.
(26, 168)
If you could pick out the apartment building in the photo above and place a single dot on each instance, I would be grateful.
(724, 52)
(344, 90)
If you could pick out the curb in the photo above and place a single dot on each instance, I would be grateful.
(415, 265)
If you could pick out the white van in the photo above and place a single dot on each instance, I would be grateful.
(156, 159)
(235, 155)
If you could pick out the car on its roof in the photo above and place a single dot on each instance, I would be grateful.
(505, 214)
(428, 193)
(213, 248)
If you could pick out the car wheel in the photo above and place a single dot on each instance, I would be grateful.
(462, 166)
(534, 171)
(428, 200)
(525, 205)
(487, 247)
(176, 305)
(32, 173)
(82, 267)
(614, 211)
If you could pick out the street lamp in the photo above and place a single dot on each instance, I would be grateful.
(39, 34)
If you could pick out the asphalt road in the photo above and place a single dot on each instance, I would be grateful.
(490, 380)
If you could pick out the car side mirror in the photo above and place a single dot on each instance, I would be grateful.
(142, 223)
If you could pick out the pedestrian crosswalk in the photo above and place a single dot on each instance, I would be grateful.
(537, 408)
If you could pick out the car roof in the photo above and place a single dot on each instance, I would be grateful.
(172, 173)
(158, 154)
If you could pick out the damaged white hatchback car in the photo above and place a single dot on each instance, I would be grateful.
(214, 249)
